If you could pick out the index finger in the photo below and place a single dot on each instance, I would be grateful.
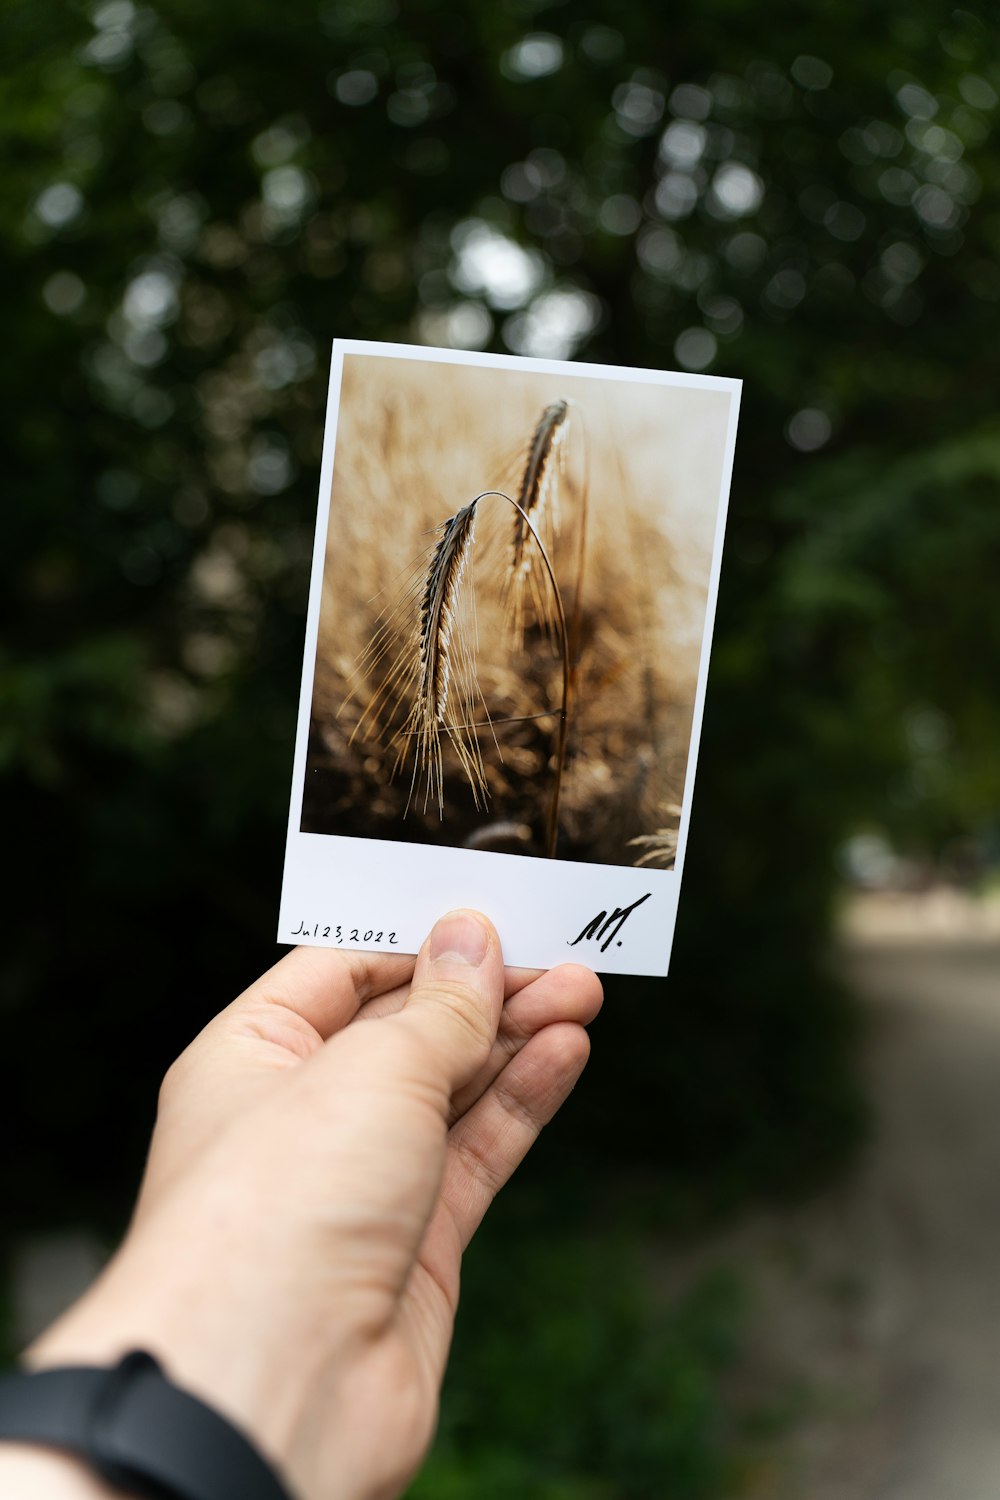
(325, 987)
(387, 1002)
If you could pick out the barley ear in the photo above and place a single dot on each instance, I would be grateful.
(528, 596)
(444, 672)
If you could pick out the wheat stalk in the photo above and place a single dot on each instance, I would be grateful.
(432, 677)
(444, 662)
(552, 832)
(435, 670)
(660, 848)
(537, 509)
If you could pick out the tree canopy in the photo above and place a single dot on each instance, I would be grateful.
(198, 198)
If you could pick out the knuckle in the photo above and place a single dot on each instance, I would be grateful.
(475, 1157)
(515, 1107)
(174, 1082)
(513, 1032)
(168, 1085)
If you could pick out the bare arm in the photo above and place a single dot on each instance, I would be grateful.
(41, 1474)
(323, 1154)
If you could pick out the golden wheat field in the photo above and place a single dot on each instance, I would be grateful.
(515, 670)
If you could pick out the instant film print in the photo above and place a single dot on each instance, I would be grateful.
(512, 596)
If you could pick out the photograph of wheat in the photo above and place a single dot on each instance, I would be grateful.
(511, 612)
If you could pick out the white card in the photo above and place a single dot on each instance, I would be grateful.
(510, 612)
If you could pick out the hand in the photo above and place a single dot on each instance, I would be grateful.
(323, 1154)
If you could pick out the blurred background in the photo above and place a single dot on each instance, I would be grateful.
(757, 1255)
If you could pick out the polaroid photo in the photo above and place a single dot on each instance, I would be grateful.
(511, 605)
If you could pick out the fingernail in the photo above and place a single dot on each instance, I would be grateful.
(460, 937)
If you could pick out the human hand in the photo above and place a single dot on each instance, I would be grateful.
(312, 1183)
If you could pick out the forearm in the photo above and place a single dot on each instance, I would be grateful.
(30, 1473)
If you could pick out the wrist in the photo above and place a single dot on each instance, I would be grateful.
(137, 1430)
(33, 1473)
(128, 1310)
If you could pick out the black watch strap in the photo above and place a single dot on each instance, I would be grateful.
(137, 1430)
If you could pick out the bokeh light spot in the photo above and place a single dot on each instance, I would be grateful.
(64, 293)
(620, 214)
(490, 263)
(690, 101)
(695, 348)
(534, 56)
(58, 205)
(736, 190)
(809, 429)
(554, 325)
(638, 107)
(683, 143)
(811, 72)
(355, 87)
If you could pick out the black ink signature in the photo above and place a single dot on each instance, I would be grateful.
(612, 925)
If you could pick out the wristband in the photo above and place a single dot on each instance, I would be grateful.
(137, 1430)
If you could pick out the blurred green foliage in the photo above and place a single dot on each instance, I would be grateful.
(197, 199)
(607, 1395)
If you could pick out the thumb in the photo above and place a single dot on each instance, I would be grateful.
(456, 997)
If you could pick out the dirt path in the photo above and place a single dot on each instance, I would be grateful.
(877, 1309)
